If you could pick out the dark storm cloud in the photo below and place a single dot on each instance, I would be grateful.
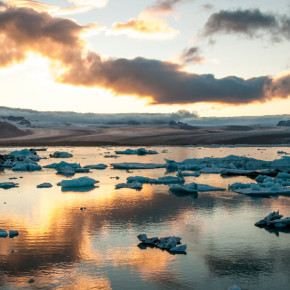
(252, 23)
(240, 21)
(191, 55)
(25, 30)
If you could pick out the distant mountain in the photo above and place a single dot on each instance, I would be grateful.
(284, 123)
(17, 121)
(181, 125)
(8, 130)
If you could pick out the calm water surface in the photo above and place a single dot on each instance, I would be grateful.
(63, 247)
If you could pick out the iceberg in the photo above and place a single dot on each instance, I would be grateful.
(166, 243)
(133, 185)
(270, 217)
(100, 166)
(139, 151)
(134, 165)
(239, 172)
(3, 234)
(13, 234)
(24, 166)
(58, 154)
(160, 180)
(178, 249)
(78, 182)
(66, 170)
(274, 220)
(62, 164)
(7, 185)
(23, 154)
(268, 188)
(44, 185)
(193, 188)
(195, 174)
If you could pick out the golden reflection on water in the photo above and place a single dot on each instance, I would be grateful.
(63, 247)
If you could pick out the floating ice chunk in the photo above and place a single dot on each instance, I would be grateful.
(194, 188)
(260, 189)
(213, 170)
(111, 156)
(58, 154)
(188, 188)
(139, 151)
(170, 243)
(283, 175)
(44, 185)
(282, 152)
(134, 165)
(260, 178)
(62, 164)
(23, 154)
(195, 174)
(279, 223)
(3, 234)
(160, 180)
(133, 185)
(142, 237)
(7, 185)
(100, 166)
(81, 170)
(172, 165)
(166, 243)
(78, 182)
(66, 170)
(13, 234)
(269, 172)
(178, 249)
(270, 217)
(23, 166)
(239, 172)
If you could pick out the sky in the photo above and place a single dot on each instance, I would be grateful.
(212, 58)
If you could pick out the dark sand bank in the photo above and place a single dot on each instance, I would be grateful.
(145, 136)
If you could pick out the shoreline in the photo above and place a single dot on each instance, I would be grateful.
(151, 136)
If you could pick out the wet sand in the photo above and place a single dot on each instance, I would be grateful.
(145, 136)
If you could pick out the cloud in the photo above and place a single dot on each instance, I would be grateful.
(149, 24)
(80, 6)
(90, 3)
(164, 6)
(145, 27)
(41, 7)
(191, 55)
(252, 23)
(25, 30)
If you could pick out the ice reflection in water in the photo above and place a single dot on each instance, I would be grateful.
(61, 246)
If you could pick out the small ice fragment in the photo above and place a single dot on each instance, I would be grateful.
(13, 234)
(177, 249)
(133, 185)
(3, 233)
(31, 281)
(44, 185)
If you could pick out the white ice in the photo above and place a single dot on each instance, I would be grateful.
(78, 182)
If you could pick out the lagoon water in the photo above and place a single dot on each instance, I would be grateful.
(63, 247)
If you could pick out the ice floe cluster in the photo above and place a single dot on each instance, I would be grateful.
(172, 244)
(274, 220)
